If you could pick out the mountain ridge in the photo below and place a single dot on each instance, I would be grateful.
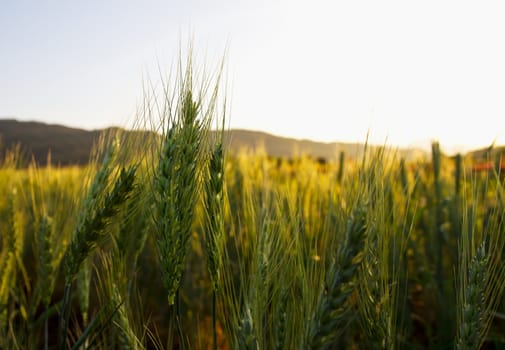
(72, 146)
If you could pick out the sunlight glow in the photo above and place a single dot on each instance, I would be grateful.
(410, 72)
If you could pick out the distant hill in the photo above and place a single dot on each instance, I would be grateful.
(277, 146)
(66, 145)
(69, 146)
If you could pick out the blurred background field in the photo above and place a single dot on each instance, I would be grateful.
(406, 280)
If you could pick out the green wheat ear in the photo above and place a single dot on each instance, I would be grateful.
(100, 206)
(45, 255)
(214, 228)
(176, 187)
(469, 331)
(331, 314)
(91, 228)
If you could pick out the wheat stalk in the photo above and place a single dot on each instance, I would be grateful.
(470, 330)
(214, 228)
(331, 314)
(176, 192)
(45, 255)
(91, 229)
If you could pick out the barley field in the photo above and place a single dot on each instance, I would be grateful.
(167, 241)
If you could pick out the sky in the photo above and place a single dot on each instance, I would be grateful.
(404, 72)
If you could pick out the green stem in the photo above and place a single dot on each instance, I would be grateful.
(178, 318)
(46, 334)
(170, 340)
(214, 330)
(64, 316)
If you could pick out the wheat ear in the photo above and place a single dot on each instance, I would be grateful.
(332, 310)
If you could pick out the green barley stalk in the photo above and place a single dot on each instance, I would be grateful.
(184, 117)
(176, 192)
(91, 229)
(281, 321)
(45, 256)
(45, 274)
(214, 227)
(470, 324)
(257, 265)
(481, 272)
(99, 207)
(383, 271)
(331, 314)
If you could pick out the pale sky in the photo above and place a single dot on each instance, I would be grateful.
(408, 71)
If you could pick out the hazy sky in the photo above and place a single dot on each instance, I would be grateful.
(411, 71)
